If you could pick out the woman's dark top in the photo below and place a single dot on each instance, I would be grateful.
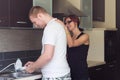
(77, 59)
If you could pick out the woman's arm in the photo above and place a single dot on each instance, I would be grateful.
(84, 39)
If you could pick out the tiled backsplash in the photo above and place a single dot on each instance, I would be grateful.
(7, 58)
(19, 43)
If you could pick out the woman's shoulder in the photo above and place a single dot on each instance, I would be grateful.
(83, 35)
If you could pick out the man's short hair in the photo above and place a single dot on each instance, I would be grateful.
(35, 10)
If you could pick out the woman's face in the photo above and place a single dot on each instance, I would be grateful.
(70, 24)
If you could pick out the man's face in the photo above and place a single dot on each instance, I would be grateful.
(37, 21)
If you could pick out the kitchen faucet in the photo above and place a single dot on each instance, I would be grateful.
(7, 67)
(17, 66)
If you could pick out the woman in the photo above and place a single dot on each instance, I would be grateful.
(78, 45)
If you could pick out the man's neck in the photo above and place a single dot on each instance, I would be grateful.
(48, 18)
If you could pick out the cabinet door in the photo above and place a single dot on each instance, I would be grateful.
(4, 13)
(97, 73)
(111, 71)
(98, 10)
(110, 45)
(118, 13)
(19, 13)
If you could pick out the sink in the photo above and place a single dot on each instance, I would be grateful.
(16, 75)
(3, 78)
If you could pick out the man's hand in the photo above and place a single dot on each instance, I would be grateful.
(29, 67)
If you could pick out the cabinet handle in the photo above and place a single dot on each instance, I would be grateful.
(98, 69)
(111, 65)
(100, 18)
(21, 22)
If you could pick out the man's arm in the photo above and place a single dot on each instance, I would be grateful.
(45, 57)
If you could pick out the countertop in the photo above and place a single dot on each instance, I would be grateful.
(90, 64)
(20, 76)
(20, 28)
(95, 63)
(104, 29)
(30, 77)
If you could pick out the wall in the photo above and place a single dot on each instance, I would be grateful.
(47, 4)
(19, 43)
(86, 7)
(110, 12)
(76, 3)
(7, 58)
(110, 15)
(20, 40)
(96, 49)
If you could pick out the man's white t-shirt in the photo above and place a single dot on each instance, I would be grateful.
(54, 34)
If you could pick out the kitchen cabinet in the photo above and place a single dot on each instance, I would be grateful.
(97, 72)
(98, 10)
(110, 41)
(14, 13)
(118, 14)
(19, 13)
(4, 13)
(118, 54)
(111, 71)
(103, 72)
(111, 55)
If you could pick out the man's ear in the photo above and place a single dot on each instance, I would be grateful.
(39, 15)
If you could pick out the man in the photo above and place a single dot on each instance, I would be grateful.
(52, 62)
